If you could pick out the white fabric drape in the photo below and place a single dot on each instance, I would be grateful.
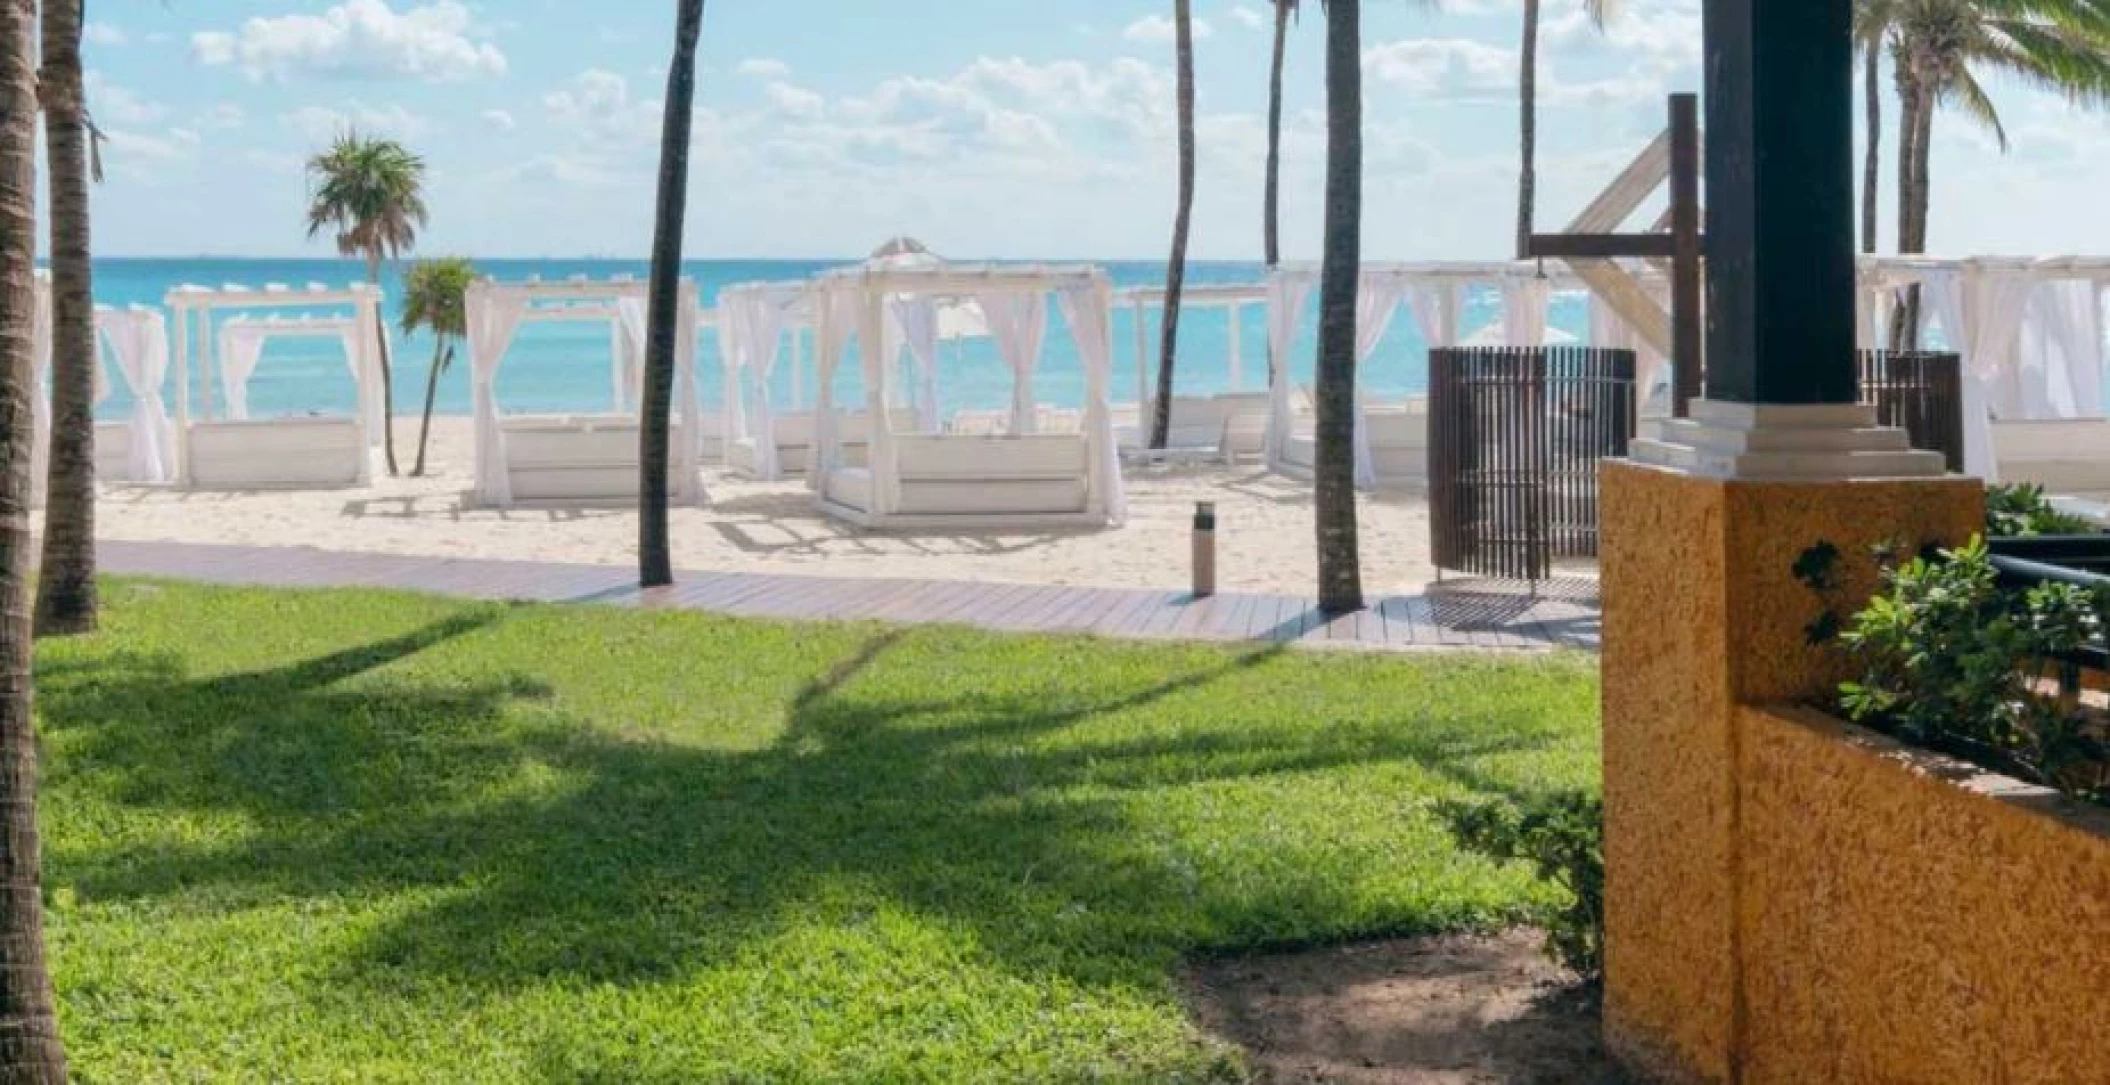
(1436, 307)
(1652, 373)
(1942, 300)
(758, 318)
(836, 325)
(628, 371)
(917, 319)
(1981, 312)
(1088, 310)
(139, 341)
(1375, 302)
(1018, 323)
(241, 347)
(2062, 351)
(731, 366)
(1524, 311)
(493, 317)
(1286, 294)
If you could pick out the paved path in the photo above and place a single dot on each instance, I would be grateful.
(1465, 614)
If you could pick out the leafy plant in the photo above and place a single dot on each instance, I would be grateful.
(1949, 658)
(2020, 509)
(1562, 836)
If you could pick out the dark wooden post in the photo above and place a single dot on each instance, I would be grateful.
(1780, 201)
(1687, 327)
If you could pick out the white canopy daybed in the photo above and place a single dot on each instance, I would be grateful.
(221, 446)
(578, 458)
(1391, 439)
(1231, 424)
(928, 479)
(757, 320)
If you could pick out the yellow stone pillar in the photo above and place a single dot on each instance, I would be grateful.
(1702, 613)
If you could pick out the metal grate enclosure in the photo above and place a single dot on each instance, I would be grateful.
(1920, 392)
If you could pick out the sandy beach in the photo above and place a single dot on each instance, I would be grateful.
(1264, 536)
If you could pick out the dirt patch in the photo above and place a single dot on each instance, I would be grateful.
(1444, 1011)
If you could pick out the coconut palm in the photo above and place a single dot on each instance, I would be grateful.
(1271, 203)
(1176, 267)
(371, 194)
(30, 1049)
(1340, 277)
(66, 601)
(655, 565)
(1872, 34)
(435, 299)
(1528, 94)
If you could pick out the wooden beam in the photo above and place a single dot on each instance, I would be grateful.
(1619, 290)
(1599, 246)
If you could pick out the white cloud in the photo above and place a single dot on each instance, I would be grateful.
(115, 105)
(500, 119)
(221, 115)
(793, 101)
(1249, 17)
(1664, 36)
(321, 124)
(598, 107)
(763, 68)
(1444, 67)
(357, 39)
(1161, 28)
(104, 34)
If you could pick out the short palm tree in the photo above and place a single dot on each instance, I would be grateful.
(370, 193)
(1176, 267)
(670, 214)
(1271, 202)
(66, 600)
(1528, 95)
(435, 294)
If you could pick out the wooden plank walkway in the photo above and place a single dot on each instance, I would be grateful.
(1460, 615)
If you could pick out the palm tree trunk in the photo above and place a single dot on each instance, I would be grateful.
(66, 602)
(1872, 162)
(1905, 322)
(1176, 267)
(655, 563)
(1528, 112)
(1271, 204)
(388, 377)
(30, 1049)
(442, 354)
(1340, 276)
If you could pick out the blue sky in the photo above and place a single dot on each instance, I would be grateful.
(1004, 128)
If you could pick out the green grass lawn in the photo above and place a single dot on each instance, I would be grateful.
(351, 836)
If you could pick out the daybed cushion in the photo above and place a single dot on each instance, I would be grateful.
(275, 452)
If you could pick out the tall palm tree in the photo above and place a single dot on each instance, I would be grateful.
(1176, 268)
(1340, 277)
(1271, 203)
(371, 192)
(435, 298)
(66, 601)
(1528, 95)
(655, 564)
(30, 1048)
(1872, 33)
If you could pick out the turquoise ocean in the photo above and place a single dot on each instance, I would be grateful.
(565, 367)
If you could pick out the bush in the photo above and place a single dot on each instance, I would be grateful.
(2020, 509)
(1562, 836)
(1949, 659)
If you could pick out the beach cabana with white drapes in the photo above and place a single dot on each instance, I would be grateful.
(219, 443)
(1021, 478)
(1231, 423)
(1391, 439)
(578, 459)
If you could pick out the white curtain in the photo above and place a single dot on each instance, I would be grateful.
(1942, 298)
(493, 317)
(1981, 317)
(917, 318)
(1088, 310)
(1018, 322)
(1436, 306)
(628, 372)
(2062, 355)
(1286, 294)
(762, 321)
(1651, 369)
(241, 347)
(836, 325)
(1375, 302)
(1873, 303)
(139, 339)
(1524, 311)
(731, 365)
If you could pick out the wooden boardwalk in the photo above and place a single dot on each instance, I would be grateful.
(1459, 615)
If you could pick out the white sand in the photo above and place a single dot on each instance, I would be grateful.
(1265, 539)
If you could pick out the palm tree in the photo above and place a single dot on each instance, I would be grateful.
(1528, 93)
(371, 192)
(434, 298)
(1340, 278)
(66, 602)
(655, 564)
(1176, 268)
(1872, 32)
(1271, 203)
(30, 1048)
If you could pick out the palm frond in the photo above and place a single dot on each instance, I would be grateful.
(1965, 93)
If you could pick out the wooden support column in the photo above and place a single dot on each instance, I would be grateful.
(1780, 193)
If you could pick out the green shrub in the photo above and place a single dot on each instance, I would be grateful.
(1562, 836)
(2020, 509)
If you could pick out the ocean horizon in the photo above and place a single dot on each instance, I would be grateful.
(565, 367)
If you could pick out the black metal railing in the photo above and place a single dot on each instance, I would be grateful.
(2080, 560)
(1920, 392)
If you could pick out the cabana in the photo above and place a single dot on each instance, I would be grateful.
(927, 479)
(222, 447)
(137, 338)
(578, 459)
(757, 320)
(1391, 439)
(1231, 424)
